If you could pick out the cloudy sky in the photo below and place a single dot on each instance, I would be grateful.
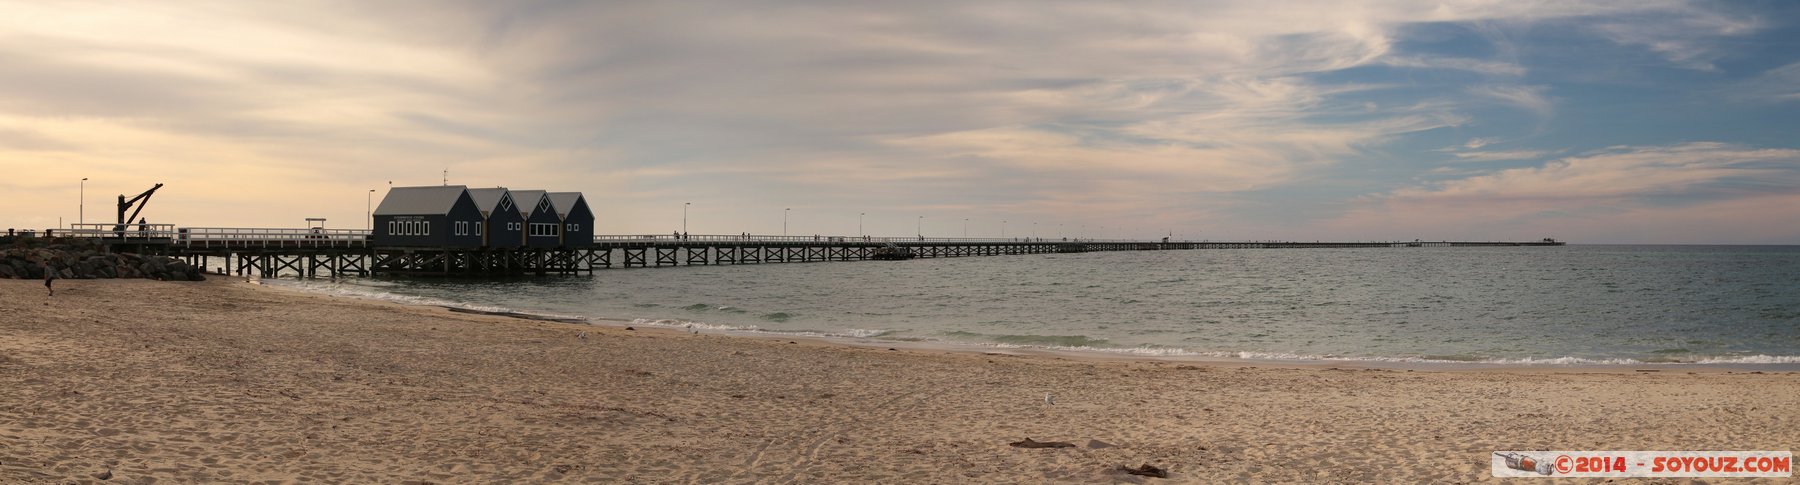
(1606, 122)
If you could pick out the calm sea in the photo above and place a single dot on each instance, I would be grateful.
(1574, 304)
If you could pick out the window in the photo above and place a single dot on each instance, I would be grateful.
(478, 228)
(544, 230)
(427, 231)
(391, 228)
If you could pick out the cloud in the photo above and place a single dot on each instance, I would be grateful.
(1624, 172)
(1530, 98)
(1781, 84)
(1454, 63)
(1495, 156)
(1686, 36)
(1588, 194)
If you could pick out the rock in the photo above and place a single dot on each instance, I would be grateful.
(1097, 444)
(1028, 443)
(105, 475)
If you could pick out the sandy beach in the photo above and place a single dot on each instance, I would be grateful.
(224, 381)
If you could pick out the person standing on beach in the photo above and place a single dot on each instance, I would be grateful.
(49, 276)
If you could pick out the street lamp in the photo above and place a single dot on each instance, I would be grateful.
(82, 208)
(921, 227)
(859, 225)
(1003, 229)
(684, 206)
(784, 214)
(369, 209)
(965, 227)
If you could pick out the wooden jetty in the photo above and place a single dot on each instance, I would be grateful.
(314, 252)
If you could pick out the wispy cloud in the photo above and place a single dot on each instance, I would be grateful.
(1495, 156)
(1781, 84)
(1626, 172)
(1688, 37)
(1456, 63)
(1584, 194)
(1529, 98)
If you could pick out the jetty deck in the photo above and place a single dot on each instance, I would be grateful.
(313, 252)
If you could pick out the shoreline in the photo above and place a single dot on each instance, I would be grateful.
(222, 381)
(1123, 354)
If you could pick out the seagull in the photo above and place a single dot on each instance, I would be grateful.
(1049, 399)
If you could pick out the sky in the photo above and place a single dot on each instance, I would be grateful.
(1643, 121)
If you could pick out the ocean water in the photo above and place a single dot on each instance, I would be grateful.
(1573, 304)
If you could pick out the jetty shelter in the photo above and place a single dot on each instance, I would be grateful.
(442, 216)
(542, 228)
(577, 221)
(501, 226)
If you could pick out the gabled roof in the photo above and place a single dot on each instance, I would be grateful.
(527, 201)
(412, 201)
(486, 200)
(563, 203)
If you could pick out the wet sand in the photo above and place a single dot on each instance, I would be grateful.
(224, 381)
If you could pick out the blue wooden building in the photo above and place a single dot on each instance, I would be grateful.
(543, 229)
(577, 220)
(502, 226)
(441, 216)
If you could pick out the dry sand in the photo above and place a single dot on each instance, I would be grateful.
(232, 382)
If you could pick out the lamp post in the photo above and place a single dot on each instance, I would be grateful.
(965, 228)
(859, 223)
(369, 210)
(1034, 229)
(784, 214)
(1003, 229)
(684, 206)
(81, 215)
(920, 228)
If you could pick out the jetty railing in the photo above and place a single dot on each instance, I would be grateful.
(268, 237)
(126, 233)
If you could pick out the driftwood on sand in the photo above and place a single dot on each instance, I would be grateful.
(1028, 443)
(1147, 470)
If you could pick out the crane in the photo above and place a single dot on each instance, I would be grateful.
(126, 205)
